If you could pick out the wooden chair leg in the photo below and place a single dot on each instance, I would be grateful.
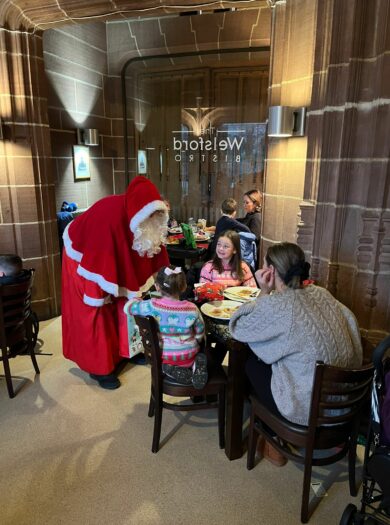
(306, 486)
(7, 373)
(34, 361)
(221, 417)
(31, 343)
(157, 427)
(252, 439)
(151, 406)
(352, 465)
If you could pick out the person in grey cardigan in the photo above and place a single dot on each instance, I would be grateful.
(290, 327)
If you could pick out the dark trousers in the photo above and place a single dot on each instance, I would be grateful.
(259, 375)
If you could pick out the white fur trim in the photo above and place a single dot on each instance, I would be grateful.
(145, 212)
(110, 288)
(70, 252)
(92, 301)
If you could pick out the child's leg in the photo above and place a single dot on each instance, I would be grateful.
(196, 375)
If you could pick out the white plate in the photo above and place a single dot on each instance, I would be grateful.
(177, 229)
(220, 309)
(200, 238)
(241, 293)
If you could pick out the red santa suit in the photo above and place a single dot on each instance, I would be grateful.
(101, 270)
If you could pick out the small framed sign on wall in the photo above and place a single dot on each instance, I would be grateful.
(81, 163)
(142, 162)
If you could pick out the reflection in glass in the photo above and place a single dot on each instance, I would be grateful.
(208, 117)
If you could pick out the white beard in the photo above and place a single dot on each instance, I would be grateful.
(151, 234)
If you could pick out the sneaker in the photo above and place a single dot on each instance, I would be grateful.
(200, 375)
(107, 381)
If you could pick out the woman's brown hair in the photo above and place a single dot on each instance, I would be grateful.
(289, 260)
(235, 261)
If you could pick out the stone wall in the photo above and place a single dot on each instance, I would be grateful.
(27, 197)
(330, 191)
(291, 77)
(83, 95)
(346, 214)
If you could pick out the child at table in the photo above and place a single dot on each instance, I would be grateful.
(227, 222)
(227, 268)
(181, 328)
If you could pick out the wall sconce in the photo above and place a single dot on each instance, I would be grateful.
(286, 121)
(88, 137)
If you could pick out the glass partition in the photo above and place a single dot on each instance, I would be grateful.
(199, 121)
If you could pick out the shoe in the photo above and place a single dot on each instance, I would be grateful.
(138, 359)
(107, 381)
(273, 455)
(200, 375)
(181, 374)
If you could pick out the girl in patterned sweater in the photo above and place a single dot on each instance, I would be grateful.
(181, 328)
(227, 268)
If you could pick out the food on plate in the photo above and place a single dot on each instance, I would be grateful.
(245, 294)
(224, 312)
(173, 240)
(201, 236)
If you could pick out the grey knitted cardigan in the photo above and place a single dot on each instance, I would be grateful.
(292, 330)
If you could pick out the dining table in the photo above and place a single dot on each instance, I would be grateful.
(237, 383)
(179, 252)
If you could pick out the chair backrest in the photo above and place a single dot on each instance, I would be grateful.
(150, 333)
(15, 310)
(248, 248)
(339, 395)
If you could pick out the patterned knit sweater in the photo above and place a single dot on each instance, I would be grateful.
(181, 327)
(291, 331)
(210, 274)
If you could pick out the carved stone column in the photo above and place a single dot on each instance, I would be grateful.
(347, 169)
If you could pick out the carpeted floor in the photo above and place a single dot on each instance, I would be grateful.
(72, 453)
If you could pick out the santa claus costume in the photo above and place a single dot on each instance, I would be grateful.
(109, 256)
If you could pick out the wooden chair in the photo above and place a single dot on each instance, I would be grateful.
(18, 331)
(163, 385)
(337, 398)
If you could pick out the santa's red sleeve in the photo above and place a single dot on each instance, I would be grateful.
(94, 295)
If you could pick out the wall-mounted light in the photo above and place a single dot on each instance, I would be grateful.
(286, 121)
(88, 137)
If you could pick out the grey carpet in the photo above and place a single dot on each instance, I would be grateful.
(72, 453)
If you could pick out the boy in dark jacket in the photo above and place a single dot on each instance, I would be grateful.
(227, 222)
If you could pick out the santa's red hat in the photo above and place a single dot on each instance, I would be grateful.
(142, 199)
